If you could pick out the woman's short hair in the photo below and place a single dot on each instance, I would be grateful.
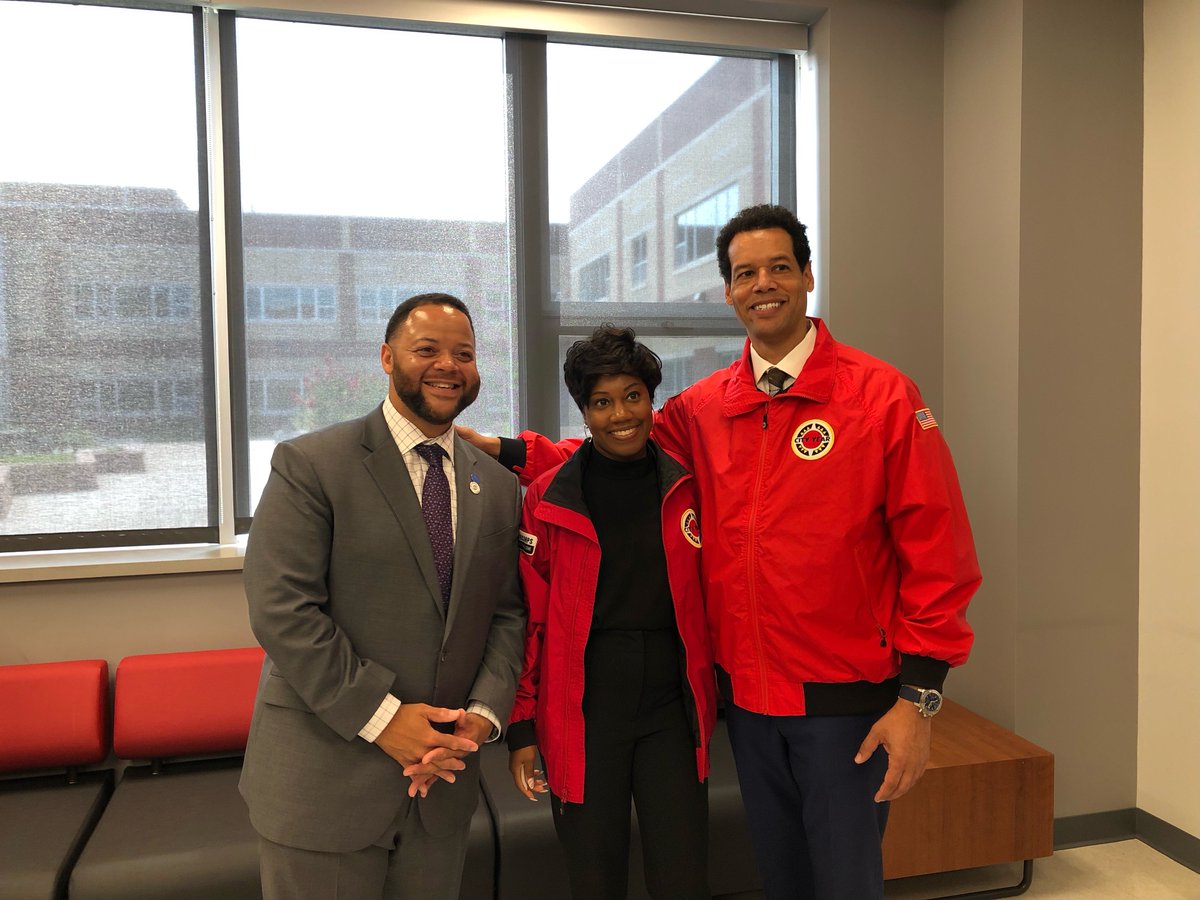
(609, 351)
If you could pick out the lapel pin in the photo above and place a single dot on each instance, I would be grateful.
(474, 483)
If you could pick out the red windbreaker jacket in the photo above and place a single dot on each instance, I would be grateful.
(560, 566)
(837, 552)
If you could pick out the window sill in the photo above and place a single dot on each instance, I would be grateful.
(117, 562)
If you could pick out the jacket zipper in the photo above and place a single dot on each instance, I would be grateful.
(862, 580)
(762, 669)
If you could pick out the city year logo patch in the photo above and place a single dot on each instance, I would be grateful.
(813, 439)
(691, 528)
(527, 541)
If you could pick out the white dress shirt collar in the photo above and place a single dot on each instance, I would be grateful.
(407, 435)
(792, 364)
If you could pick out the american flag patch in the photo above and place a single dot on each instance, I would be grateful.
(925, 419)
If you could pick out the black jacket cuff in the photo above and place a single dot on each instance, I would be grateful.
(521, 734)
(923, 671)
(512, 453)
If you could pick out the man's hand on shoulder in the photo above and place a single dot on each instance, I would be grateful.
(905, 734)
(489, 444)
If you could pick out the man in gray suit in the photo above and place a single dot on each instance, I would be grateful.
(381, 576)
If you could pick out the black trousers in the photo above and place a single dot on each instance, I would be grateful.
(814, 823)
(640, 745)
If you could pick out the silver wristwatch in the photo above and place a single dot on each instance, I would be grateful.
(927, 700)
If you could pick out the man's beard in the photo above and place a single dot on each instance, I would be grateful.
(411, 395)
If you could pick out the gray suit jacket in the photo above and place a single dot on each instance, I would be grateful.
(344, 598)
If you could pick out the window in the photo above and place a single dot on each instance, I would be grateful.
(696, 228)
(275, 396)
(625, 155)
(94, 300)
(102, 251)
(376, 304)
(638, 261)
(593, 280)
(361, 237)
(341, 196)
(291, 303)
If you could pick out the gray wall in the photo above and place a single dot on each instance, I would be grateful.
(1042, 355)
(110, 618)
(881, 208)
(1078, 388)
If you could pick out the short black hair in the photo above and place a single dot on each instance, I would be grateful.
(609, 351)
(755, 218)
(401, 313)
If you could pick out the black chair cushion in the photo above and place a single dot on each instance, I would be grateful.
(182, 834)
(45, 824)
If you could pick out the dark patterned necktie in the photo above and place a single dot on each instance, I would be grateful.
(775, 377)
(435, 507)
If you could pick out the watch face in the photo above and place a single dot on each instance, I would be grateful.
(931, 702)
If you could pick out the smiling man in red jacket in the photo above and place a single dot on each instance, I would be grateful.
(838, 564)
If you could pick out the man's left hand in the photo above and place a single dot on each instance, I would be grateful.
(905, 735)
(473, 727)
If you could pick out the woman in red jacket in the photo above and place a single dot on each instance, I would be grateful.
(617, 690)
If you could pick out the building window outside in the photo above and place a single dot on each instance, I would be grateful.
(377, 303)
(138, 398)
(275, 396)
(94, 300)
(639, 263)
(184, 398)
(696, 227)
(291, 303)
(593, 280)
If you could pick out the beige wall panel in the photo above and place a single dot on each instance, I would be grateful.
(982, 266)
(110, 618)
(1169, 628)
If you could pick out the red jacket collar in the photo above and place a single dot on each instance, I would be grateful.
(815, 382)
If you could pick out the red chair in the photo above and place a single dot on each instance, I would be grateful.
(177, 827)
(53, 722)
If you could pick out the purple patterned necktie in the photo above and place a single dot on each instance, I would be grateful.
(435, 507)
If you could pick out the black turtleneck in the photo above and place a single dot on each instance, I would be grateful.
(625, 505)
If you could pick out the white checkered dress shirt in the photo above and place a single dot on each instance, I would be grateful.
(407, 436)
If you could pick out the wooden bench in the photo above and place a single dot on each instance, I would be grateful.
(986, 798)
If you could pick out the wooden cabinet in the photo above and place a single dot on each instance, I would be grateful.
(986, 798)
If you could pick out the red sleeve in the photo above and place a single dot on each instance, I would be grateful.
(927, 519)
(671, 430)
(543, 454)
(534, 567)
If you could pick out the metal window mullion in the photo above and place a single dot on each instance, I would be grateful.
(783, 130)
(537, 321)
(235, 270)
(214, 102)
